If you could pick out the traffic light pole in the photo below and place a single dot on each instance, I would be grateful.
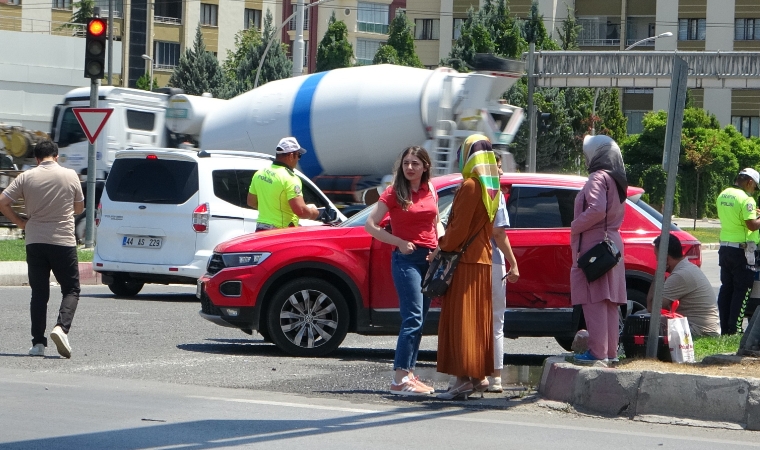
(89, 236)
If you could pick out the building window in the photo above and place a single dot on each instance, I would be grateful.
(635, 121)
(62, 4)
(13, 2)
(746, 29)
(427, 29)
(746, 125)
(167, 11)
(458, 28)
(253, 18)
(601, 30)
(365, 51)
(292, 23)
(372, 18)
(166, 54)
(209, 14)
(691, 29)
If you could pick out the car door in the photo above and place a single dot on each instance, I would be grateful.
(539, 233)
(383, 297)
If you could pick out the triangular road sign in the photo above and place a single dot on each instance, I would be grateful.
(92, 120)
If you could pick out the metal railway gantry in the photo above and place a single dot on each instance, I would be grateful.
(646, 69)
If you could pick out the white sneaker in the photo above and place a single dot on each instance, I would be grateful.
(37, 350)
(495, 385)
(61, 341)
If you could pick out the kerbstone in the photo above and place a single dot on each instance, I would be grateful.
(753, 405)
(695, 396)
(607, 391)
(558, 380)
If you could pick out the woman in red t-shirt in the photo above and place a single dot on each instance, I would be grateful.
(412, 204)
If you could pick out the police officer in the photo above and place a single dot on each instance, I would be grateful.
(277, 191)
(739, 223)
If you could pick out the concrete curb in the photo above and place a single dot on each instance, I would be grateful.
(14, 273)
(637, 395)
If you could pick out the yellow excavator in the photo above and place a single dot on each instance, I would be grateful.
(16, 150)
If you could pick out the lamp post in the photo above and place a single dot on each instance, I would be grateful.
(299, 10)
(596, 93)
(150, 71)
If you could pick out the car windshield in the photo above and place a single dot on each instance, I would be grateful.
(651, 212)
(358, 219)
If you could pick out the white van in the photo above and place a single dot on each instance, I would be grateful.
(164, 210)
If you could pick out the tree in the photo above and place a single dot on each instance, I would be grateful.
(699, 154)
(535, 31)
(401, 39)
(198, 70)
(276, 63)
(504, 29)
(334, 51)
(245, 41)
(569, 31)
(144, 82)
(84, 10)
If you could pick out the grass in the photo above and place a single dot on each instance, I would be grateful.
(15, 250)
(705, 235)
(706, 346)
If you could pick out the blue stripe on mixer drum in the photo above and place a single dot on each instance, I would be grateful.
(300, 124)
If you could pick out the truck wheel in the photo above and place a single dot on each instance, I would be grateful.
(307, 317)
(125, 288)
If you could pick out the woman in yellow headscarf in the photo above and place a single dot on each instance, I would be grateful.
(465, 330)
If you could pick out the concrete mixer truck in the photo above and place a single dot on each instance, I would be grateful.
(354, 122)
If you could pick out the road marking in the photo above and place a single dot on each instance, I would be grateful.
(390, 415)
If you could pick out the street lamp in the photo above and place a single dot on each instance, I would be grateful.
(650, 38)
(274, 35)
(596, 93)
(150, 71)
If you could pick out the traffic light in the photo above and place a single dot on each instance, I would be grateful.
(95, 49)
(544, 122)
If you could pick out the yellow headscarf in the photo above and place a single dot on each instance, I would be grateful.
(476, 160)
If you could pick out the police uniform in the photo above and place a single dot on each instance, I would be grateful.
(736, 254)
(274, 187)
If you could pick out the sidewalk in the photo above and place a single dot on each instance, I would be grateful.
(653, 396)
(13, 273)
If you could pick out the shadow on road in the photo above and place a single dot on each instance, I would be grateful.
(259, 347)
(174, 298)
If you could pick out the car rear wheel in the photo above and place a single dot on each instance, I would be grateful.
(126, 288)
(307, 317)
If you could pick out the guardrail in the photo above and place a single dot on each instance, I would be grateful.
(168, 20)
(26, 25)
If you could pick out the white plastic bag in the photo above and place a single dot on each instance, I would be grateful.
(679, 340)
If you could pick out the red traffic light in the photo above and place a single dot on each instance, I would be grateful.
(96, 27)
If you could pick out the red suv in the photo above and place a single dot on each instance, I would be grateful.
(305, 288)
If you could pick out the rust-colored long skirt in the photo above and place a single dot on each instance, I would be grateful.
(465, 330)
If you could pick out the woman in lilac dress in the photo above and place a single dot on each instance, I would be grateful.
(600, 202)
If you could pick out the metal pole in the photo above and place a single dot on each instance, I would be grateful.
(89, 236)
(150, 73)
(531, 109)
(671, 153)
(593, 112)
(110, 42)
(298, 47)
(274, 36)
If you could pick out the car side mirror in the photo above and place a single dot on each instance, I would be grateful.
(327, 215)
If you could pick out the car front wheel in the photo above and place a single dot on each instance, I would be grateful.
(307, 317)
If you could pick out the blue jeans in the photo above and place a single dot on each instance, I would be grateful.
(408, 271)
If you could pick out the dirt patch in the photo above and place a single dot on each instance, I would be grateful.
(719, 365)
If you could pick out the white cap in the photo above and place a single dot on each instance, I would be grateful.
(752, 173)
(289, 145)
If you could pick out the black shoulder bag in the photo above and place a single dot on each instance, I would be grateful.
(441, 271)
(600, 258)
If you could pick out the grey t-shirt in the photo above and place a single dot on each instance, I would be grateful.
(698, 304)
(49, 192)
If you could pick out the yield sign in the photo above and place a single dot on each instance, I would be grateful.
(92, 120)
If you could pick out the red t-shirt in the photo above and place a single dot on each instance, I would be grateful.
(416, 224)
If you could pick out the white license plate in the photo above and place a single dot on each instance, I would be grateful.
(141, 241)
(199, 289)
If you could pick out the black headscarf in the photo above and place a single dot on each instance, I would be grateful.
(603, 153)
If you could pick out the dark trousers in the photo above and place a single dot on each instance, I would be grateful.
(736, 285)
(40, 260)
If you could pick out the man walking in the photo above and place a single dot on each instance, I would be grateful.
(277, 191)
(738, 241)
(53, 195)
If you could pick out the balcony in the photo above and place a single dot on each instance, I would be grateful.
(599, 42)
(167, 20)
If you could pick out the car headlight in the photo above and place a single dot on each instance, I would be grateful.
(244, 259)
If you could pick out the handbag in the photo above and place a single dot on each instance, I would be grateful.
(438, 277)
(600, 258)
